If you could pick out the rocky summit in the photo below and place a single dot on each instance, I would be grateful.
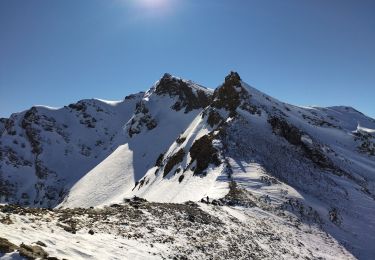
(182, 171)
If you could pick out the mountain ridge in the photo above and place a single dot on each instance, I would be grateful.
(179, 142)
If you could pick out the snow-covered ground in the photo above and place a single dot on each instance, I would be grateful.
(159, 231)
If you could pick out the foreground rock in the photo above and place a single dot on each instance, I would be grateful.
(25, 251)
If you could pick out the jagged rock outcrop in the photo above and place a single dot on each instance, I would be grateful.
(141, 119)
(188, 97)
(232, 95)
(173, 161)
(203, 153)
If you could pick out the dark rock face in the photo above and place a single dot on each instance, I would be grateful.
(367, 142)
(30, 120)
(26, 251)
(186, 97)
(79, 106)
(319, 158)
(282, 128)
(134, 96)
(237, 197)
(141, 119)
(6, 124)
(233, 78)
(214, 118)
(2, 125)
(85, 117)
(227, 96)
(32, 124)
(159, 160)
(30, 117)
(140, 107)
(6, 246)
(232, 95)
(174, 160)
(334, 216)
(180, 140)
(203, 152)
(41, 171)
(13, 158)
(293, 135)
(32, 252)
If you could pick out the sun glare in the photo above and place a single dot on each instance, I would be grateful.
(153, 3)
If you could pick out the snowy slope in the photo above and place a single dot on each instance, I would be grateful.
(44, 151)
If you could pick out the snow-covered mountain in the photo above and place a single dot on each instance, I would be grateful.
(179, 141)
(44, 152)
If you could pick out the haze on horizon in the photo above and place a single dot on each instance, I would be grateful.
(302, 52)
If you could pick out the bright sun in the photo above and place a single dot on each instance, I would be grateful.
(153, 3)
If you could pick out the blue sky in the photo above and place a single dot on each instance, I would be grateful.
(311, 52)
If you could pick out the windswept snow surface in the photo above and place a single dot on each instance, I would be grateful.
(106, 183)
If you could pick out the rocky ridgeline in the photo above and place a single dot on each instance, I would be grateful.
(232, 95)
(188, 97)
(229, 96)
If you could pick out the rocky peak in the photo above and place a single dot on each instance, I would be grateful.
(169, 85)
(233, 78)
(190, 96)
(231, 94)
